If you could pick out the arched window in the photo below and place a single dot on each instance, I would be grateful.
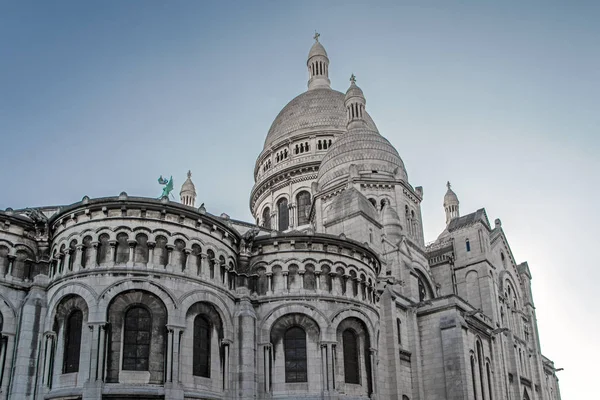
(489, 379)
(373, 201)
(136, 339)
(473, 377)
(294, 344)
(303, 201)
(284, 214)
(351, 366)
(72, 342)
(422, 290)
(201, 347)
(266, 218)
(480, 362)
(468, 244)
(399, 325)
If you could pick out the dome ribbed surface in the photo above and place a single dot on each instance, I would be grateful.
(317, 49)
(450, 198)
(188, 186)
(367, 149)
(313, 110)
(354, 91)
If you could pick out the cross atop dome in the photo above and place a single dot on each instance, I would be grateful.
(353, 79)
(316, 37)
(448, 185)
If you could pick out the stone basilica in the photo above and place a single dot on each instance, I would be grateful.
(332, 294)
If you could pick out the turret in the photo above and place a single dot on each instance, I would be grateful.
(451, 204)
(188, 191)
(318, 66)
(355, 105)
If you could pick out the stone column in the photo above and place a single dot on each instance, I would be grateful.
(173, 352)
(226, 343)
(151, 246)
(324, 369)
(270, 282)
(3, 340)
(336, 287)
(67, 260)
(11, 261)
(93, 352)
(111, 257)
(188, 265)
(301, 273)
(332, 366)
(93, 255)
(169, 354)
(267, 366)
(50, 338)
(132, 244)
(31, 331)
(285, 280)
(373, 359)
(78, 257)
(318, 279)
(6, 360)
(170, 249)
(101, 352)
(226, 277)
(204, 267)
(246, 325)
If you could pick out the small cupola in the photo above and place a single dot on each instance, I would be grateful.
(318, 66)
(187, 194)
(355, 105)
(451, 204)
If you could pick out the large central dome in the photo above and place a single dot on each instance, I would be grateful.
(314, 110)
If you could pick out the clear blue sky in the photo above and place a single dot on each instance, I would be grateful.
(501, 98)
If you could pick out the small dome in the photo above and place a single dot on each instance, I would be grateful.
(366, 149)
(354, 91)
(188, 186)
(317, 49)
(450, 198)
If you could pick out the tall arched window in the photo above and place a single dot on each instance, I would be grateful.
(266, 218)
(473, 377)
(283, 214)
(489, 379)
(480, 362)
(136, 339)
(201, 347)
(303, 201)
(422, 290)
(294, 344)
(351, 365)
(72, 342)
(468, 245)
(399, 325)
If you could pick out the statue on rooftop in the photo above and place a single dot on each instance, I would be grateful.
(168, 183)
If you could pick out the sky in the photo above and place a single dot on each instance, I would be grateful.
(500, 98)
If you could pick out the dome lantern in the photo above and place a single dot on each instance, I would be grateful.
(318, 66)
(355, 105)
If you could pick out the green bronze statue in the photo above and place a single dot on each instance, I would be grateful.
(168, 186)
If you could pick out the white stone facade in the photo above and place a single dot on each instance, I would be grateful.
(333, 295)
